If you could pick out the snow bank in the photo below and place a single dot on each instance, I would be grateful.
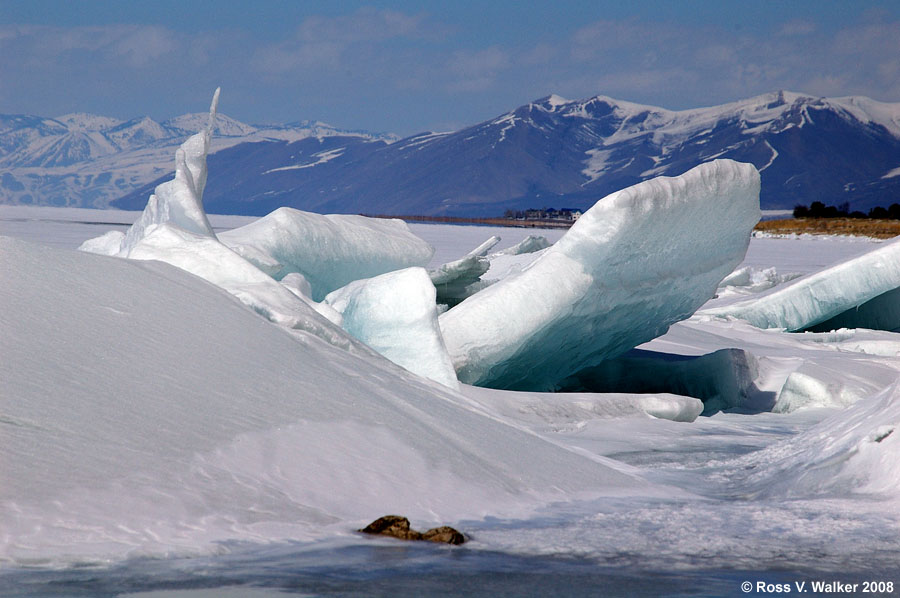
(143, 411)
(211, 260)
(330, 251)
(819, 297)
(173, 228)
(854, 451)
(396, 315)
(639, 260)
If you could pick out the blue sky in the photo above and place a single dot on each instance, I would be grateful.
(406, 67)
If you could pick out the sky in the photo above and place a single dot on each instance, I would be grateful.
(410, 66)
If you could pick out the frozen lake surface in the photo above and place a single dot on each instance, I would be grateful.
(715, 528)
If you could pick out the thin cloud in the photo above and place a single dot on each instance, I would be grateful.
(334, 42)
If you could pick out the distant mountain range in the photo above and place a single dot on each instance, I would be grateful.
(549, 153)
(85, 160)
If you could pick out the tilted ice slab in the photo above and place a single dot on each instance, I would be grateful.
(638, 261)
(167, 417)
(330, 251)
(475, 271)
(829, 293)
(396, 315)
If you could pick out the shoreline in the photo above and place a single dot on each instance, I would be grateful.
(856, 227)
(497, 221)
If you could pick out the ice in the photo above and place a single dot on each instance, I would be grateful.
(464, 277)
(638, 261)
(396, 315)
(145, 411)
(109, 243)
(458, 279)
(333, 250)
(837, 294)
(542, 410)
(482, 249)
(723, 379)
(757, 370)
(749, 280)
(180, 201)
(529, 244)
(174, 228)
(856, 451)
(207, 258)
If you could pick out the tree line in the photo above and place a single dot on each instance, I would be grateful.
(817, 209)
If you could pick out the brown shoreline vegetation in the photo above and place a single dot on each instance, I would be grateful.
(861, 227)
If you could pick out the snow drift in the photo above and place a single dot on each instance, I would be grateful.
(638, 261)
(856, 451)
(173, 417)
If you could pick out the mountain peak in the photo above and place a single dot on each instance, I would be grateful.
(195, 121)
(83, 121)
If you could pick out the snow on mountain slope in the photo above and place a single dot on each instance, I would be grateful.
(549, 152)
(89, 160)
(225, 125)
(88, 122)
(554, 152)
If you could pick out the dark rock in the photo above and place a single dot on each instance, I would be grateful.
(445, 534)
(396, 526)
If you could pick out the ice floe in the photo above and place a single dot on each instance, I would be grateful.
(638, 261)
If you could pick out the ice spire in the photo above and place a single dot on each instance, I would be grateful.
(180, 201)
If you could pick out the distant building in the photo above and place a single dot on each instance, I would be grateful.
(564, 214)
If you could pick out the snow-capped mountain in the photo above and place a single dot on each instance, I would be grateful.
(86, 160)
(560, 153)
(551, 152)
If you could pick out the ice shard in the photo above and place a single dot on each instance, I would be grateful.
(638, 261)
(330, 251)
(396, 315)
(861, 292)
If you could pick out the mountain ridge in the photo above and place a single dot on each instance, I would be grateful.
(549, 152)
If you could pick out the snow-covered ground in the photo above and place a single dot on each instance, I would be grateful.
(226, 422)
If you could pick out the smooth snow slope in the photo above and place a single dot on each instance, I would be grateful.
(638, 261)
(146, 411)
